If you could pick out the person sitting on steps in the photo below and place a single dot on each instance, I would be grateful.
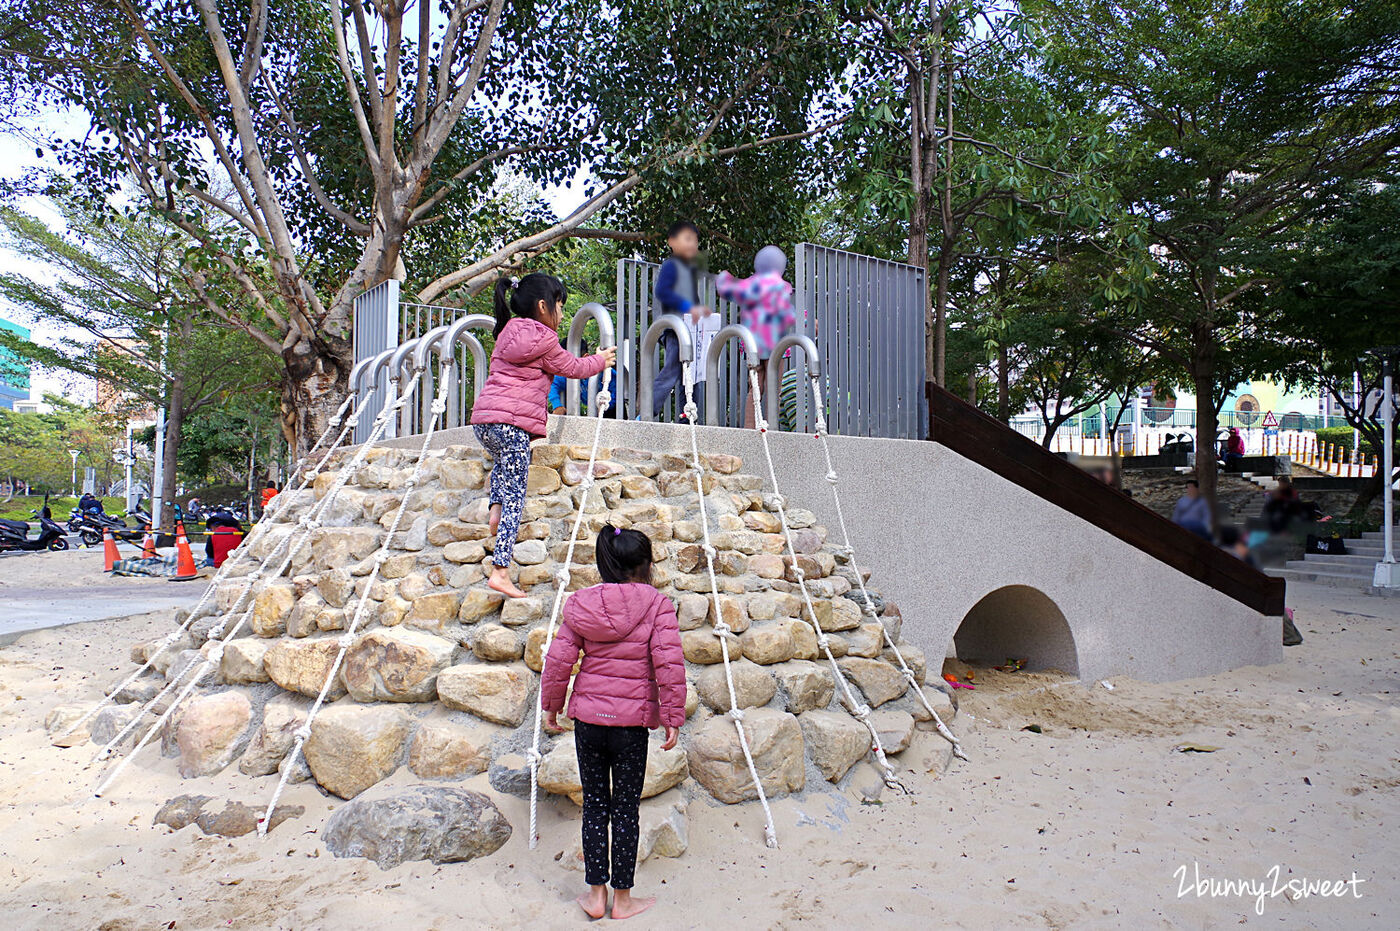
(510, 410)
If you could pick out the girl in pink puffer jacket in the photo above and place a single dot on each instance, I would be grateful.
(512, 406)
(631, 678)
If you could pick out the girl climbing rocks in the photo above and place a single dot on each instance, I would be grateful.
(511, 408)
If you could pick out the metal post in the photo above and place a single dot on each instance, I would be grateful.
(73, 485)
(130, 461)
(158, 473)
(1386, 575)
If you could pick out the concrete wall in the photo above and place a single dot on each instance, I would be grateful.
(940, 533)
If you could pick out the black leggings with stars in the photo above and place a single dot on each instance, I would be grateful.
(612, 765)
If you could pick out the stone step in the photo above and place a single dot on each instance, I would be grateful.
(1380, 535)
(1360, 564)
(1334, 579)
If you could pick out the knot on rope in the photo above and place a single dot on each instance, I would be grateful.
(381, 417)
(439, 406)
(911, 678)
(170, 637)
(311, 475)
(692, 412)
(823, 641)
(709, 550)
(722, 629)
(411, 481)
(832, 477)
(563, 576)
(698, 469)
(779, 501)
(797, 572)
(381, 557)
(737, 714)
(868, 608)
(216, 654)
(861, 712)
(344, 641)
(604, 400)
(303, 733)
(533, 757)
(821, 430)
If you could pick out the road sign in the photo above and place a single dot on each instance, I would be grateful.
(1270, 421)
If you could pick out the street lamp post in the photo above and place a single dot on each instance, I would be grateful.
(73, 486)
(1386, 575)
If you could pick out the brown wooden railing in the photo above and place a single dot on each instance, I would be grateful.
(991, 444)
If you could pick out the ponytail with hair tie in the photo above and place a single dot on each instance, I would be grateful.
(521, 297)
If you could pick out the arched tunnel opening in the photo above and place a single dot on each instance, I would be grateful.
(1017, 622)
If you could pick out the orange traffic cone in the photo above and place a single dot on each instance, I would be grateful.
(148, 546)
(185, 568)
(109, 549)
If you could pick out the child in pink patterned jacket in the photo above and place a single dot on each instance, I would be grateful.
(631, 678)
(765, 307)
(511, 407)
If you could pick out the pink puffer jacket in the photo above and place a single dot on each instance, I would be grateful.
(633, 670)
(526, 359)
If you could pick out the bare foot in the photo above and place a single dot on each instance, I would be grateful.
(624, 906)
(594, 902)
(493, 521)
(499, 580)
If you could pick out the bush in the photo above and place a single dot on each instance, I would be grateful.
(1341, 436)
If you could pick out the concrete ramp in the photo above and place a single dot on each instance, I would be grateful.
(1071, 575)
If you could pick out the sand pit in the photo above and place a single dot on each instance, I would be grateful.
(1095, 822)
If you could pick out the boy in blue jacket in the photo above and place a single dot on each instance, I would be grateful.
(677, 292)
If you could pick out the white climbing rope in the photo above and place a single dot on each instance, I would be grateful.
(307, 524)
(235, 558)
(858, 708)
(344, 641)
(721, 629)
(867, 603)
(602, 399)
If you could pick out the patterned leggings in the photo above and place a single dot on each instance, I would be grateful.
(510, 447)
(612, 765)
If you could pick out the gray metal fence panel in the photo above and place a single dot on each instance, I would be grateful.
(375, 329)
(867, 317)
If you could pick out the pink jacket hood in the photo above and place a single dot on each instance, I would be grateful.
(633, 669)
(526, 359)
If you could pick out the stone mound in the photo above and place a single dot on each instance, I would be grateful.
(441, 675)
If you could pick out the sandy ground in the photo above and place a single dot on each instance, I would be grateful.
(1096, 822)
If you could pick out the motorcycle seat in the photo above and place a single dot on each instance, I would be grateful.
(18, 526)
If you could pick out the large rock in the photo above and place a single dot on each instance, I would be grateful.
(271, 609)
(753, 686)
(866, 640)
(807, 685)
(242, 662)
(558, 771)
(499, 694)
(520, 611)
(211, 732)
(835, 742)
(775, 739)
(273, 739)
(447, 750)
(879, 681)
(895, 727)
(530, 552)
(768, 644)
(496, 644)
(663, 828)
(703, 647)
(438, 607)
(354, 746)
(396, 664)
(302, 666)
(107, 723)
(478, 603)
(438, 823)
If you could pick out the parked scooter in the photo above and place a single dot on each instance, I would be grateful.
(90, 525)
(14, 534)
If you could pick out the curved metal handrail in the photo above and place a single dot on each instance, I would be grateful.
(459, 331)
(774, 386)
(732, 331)
(428, 343)
(606, 339)
(646, 376)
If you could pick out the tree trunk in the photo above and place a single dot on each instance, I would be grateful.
(1207, 422)
(940, 316)
(1003, 383)
(316, 381)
